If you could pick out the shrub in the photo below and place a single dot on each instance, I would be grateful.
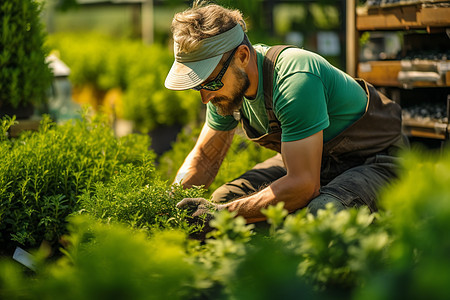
(334, 249)
(109, 262)
(92, 61)
(352, 254)
(136, 197)
(103, 260)
(419, 214)
(24, 74)
(43, 173)
(137, 70)
(112, 261)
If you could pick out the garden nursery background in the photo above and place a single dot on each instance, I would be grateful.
(90, 142)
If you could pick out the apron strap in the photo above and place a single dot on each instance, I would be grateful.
(268, 69)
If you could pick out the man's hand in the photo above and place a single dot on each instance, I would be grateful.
(198, 206)
(202, 211)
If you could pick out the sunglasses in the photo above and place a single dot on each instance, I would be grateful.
(216, 84)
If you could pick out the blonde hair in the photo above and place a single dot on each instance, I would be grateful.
(201, 22)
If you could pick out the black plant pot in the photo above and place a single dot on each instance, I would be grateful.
(163, 136)
(22, 112)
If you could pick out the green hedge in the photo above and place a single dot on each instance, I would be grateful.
(61, 169)
(24, 74)
(136, 69)
(418, 214)
(128, 241)
(401, 252)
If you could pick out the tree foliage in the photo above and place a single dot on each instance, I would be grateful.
(24, 74)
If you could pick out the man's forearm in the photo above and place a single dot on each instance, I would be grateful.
(295, 195)
(202, 164)
(197, 170)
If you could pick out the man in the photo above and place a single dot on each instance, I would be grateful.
(336, 136)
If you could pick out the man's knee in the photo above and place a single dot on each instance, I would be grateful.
(262, 175)
(232, 190)
(223, 194)
(321, 201)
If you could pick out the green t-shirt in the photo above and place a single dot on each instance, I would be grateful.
(309, 95)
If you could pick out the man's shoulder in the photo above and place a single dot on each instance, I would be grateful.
(291, 51)
(260, 47)
(300, 62)
(295, 54)
(294, 59)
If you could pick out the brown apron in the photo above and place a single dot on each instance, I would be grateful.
(377, 131)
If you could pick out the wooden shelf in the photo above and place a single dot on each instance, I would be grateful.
(386, 73)
(400, 75)
(425, 129)
(409, 2)
(401, 17)
(382, 73)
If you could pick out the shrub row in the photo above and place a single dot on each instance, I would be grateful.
(81, 166)
(126, 238)
(49, 174)
(402, 252)
(137, 70)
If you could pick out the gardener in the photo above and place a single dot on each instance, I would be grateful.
(336, 136)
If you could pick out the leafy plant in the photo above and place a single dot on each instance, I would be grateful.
(352, 254)
(43, 173)
(24, 74)
(419, 213)
(233, 264)
(6, 123)
(335, 249)
(136, 197)
(111, 260)
(105, 261)
(137, 70)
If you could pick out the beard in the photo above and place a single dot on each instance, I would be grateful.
(225, 106)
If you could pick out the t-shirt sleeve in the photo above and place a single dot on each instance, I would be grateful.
(300, 104)
(218, 122)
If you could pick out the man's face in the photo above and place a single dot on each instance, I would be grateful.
(237, 86)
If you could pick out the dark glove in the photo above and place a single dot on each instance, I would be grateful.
(197, 206)
(202, 211)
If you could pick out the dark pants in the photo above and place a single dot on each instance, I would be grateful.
(354, 187)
